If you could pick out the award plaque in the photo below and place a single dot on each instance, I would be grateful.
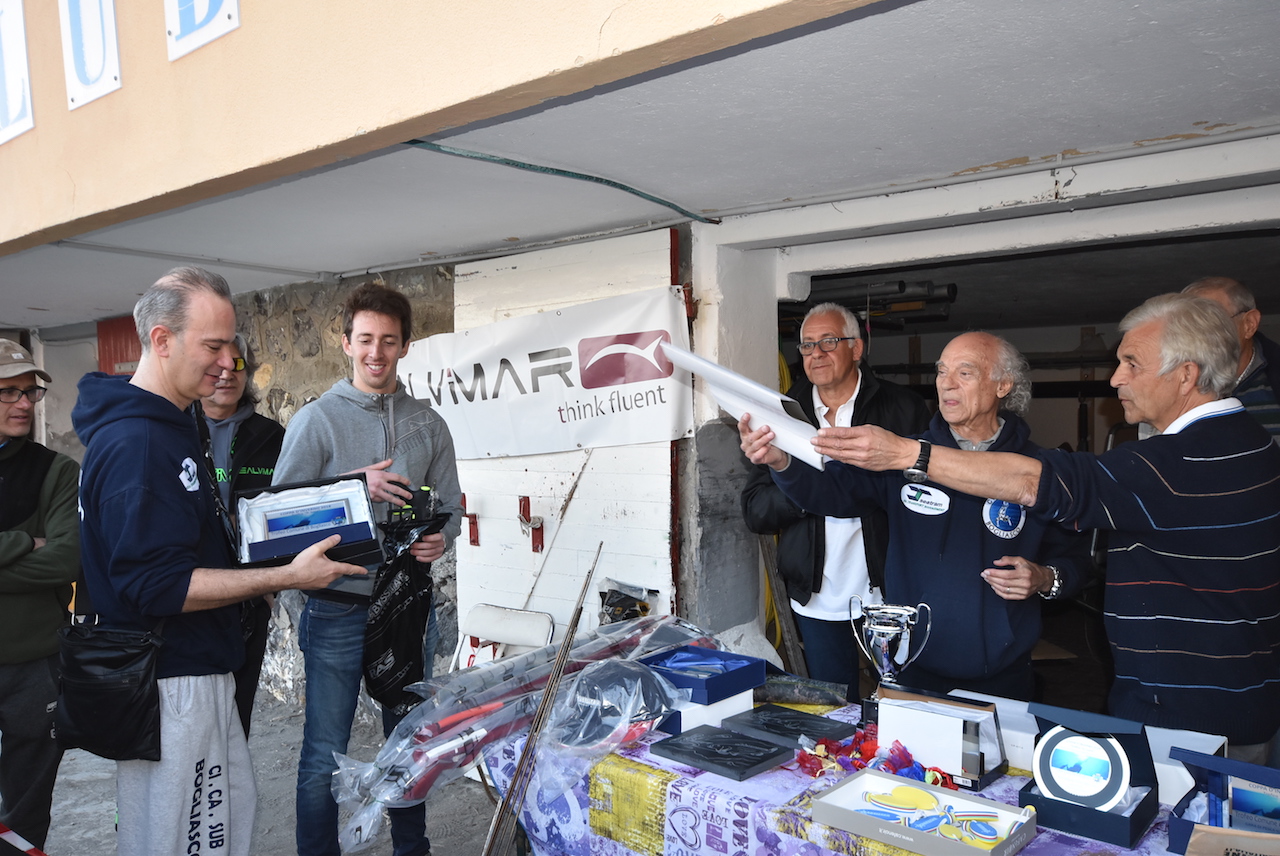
(1091, 770)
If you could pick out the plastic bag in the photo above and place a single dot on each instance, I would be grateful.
(621, 601)
(606, 705)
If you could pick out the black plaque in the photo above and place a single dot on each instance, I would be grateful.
(784, 726)
(725, 753)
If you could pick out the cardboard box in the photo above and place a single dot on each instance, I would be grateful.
(1211, 774)
(277, 523)
(1112, 827)
(932, 738)
(1172, 776)
(842, 805)
(1018, 732)
(746, 672)
(1018, 728)
(690, 714)
(785, 727)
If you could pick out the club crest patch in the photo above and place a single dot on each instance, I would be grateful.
(925, 500)
(189, 475)
(1003, 519)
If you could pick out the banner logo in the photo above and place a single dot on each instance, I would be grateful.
(624, 358)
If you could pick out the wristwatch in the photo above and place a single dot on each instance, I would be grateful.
(919, 471)
(1056, 588)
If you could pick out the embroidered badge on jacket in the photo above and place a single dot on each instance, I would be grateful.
(1004, 519)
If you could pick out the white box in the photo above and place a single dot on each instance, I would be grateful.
(690, 714)
(840, 807)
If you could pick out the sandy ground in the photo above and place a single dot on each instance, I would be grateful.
(84, 800)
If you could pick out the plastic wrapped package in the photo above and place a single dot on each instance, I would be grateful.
(468, 710)
(606, 705)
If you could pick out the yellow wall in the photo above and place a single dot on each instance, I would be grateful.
(304, 83)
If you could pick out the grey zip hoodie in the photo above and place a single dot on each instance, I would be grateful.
(346, 429)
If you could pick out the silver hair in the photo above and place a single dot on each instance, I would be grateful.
(1196, 330)
(165, 303)
(852, 329)
(1010, 365)
(1240, 298)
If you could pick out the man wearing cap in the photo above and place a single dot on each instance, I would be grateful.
(39, 559)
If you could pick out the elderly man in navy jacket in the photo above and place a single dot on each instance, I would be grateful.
(981, 566)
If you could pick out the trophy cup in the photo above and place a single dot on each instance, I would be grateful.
(885, 634)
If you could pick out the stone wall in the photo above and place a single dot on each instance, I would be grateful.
(296, 332)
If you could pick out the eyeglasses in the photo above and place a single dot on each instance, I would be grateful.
(11, 394)
(240, 365)
(826, 345)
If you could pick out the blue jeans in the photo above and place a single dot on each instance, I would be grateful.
(331, 636)
(830, 651)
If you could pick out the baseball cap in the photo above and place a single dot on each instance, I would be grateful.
(16, 360)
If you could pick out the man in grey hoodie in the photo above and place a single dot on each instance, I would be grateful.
(372, 425)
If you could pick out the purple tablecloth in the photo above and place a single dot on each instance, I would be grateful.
(636, 804)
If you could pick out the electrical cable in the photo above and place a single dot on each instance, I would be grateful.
(562, 173)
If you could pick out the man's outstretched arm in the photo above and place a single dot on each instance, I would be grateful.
(993, 475)
(211, 588)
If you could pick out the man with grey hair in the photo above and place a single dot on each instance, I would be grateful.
(153, 549)
(982, 567)
(1257, 380)
(1193, 581)
(826, 560)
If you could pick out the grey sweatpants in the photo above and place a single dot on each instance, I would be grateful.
(199, 798)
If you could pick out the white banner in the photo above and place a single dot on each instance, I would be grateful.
(573, 378)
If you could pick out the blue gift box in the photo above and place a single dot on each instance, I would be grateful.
(706, 686)
(1112, 827)
(1212, 774)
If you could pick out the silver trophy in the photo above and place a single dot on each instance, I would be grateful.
(891, 636)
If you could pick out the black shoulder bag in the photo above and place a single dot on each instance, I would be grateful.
(108, 698)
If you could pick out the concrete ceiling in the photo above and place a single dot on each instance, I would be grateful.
(897, 95)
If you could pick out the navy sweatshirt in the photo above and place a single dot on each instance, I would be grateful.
(940, 541)
(147, 521)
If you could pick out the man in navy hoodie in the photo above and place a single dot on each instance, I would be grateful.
(981, 566)
(153, 549)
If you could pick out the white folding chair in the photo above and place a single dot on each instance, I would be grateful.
(503, 630)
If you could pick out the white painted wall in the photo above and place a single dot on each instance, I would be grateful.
(620, 496)
(66, 361)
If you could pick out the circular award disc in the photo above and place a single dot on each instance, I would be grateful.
(1088, 770)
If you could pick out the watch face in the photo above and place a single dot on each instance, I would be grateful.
(914, 475)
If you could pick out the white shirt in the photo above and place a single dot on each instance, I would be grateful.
(844, 565)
